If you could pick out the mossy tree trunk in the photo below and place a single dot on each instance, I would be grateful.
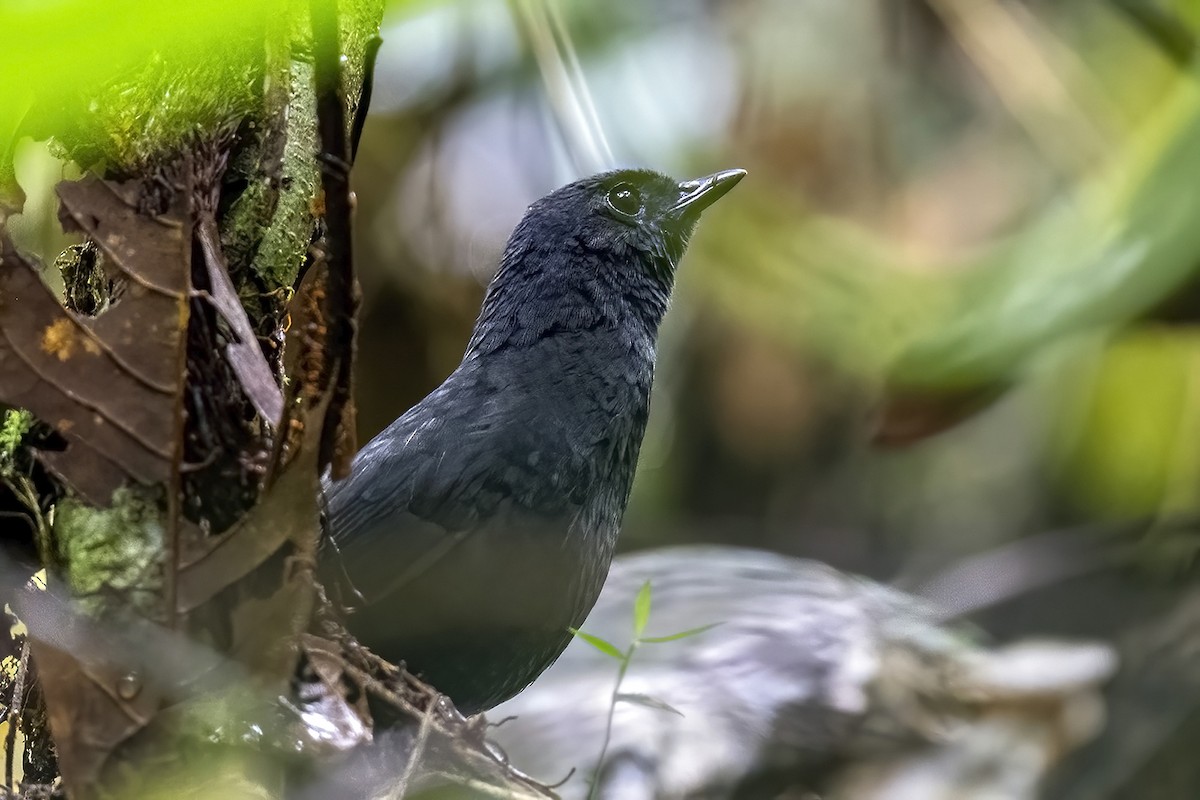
(162, 447)
(167, 419)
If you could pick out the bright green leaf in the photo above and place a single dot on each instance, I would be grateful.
(641, 610)
(606, 647)
(677, 636)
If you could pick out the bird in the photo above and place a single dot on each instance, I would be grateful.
(797, 678)
(477, 529)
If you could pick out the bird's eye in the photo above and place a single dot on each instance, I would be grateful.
(625, 199)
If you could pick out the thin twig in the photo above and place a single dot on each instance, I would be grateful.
(341, 299)
(414, 756)
(364, 96)
(481, 760)
(594, 789)
(563, 782)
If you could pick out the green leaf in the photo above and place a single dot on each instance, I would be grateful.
(641, 610)
(647, 701)
(681, 635)
(606, 647)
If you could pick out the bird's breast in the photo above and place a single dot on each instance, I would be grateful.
(573, 411)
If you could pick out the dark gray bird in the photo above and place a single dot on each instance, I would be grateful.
(480, 525)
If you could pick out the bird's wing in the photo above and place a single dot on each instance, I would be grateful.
(402, 508)
(435, 478)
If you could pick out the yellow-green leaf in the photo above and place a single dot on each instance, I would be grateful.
(677, 636)
(604, 646)
(641, 610)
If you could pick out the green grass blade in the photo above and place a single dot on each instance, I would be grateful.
(677, 636)
(604, 646)
(641, 610)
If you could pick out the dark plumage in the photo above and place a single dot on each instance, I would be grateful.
(480, 525)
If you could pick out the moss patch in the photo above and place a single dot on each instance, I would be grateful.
(112, 552)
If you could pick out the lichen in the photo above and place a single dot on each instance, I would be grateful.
(112, 552)
(360, 27)
(269, 227)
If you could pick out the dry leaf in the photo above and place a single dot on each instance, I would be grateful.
(109, 384)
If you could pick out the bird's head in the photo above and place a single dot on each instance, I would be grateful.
(602, 250)
(640, 218)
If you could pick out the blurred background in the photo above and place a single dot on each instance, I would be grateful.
(943, 335)
(948, 307)
(950, 314)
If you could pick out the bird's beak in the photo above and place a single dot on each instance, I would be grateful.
(700, 193)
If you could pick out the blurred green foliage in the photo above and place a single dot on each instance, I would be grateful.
(1126, 425)
(117, 83)
(110, 78)
(1099, 259)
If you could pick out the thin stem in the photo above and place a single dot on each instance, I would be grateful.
(418, 750)
(594, 789)
(341, 289)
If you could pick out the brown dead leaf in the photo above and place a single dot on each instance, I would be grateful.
(287, 509)
(104, 386)
(112, 386)
(96, 695)
(110, 383)
(61, 339)
(272, 550)
(244, 355)
(146, 327)
(908, 417)
(286, 512)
